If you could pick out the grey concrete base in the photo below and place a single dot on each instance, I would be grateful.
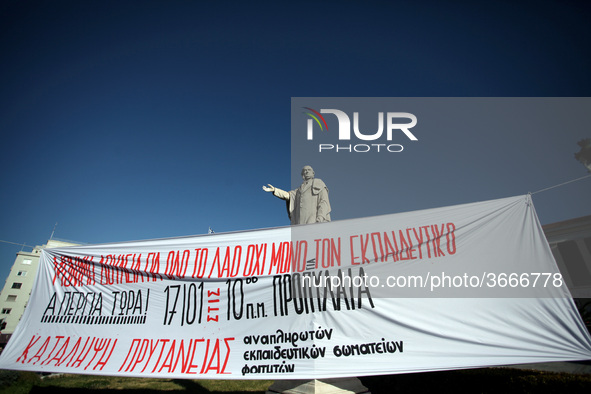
(318, 386)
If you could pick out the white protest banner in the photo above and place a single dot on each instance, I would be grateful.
(456, 287)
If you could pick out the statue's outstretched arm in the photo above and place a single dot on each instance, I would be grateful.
(282, 194)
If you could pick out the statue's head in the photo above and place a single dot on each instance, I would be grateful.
(307, 173)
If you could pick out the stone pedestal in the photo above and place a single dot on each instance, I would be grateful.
(318, 386)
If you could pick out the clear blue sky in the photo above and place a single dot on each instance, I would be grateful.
(126, 120)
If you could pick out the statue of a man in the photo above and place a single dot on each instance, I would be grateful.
(307, 204)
